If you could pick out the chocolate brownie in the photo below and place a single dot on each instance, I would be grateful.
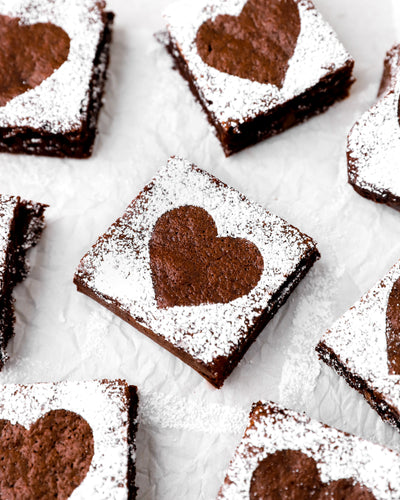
(285, 455)
(257, 67)
(53, 62)
(363, 346)
(68, 440)
(21, 224)
(373, 147)
(197, 267)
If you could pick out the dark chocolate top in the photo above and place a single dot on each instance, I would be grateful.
(48, 461)
(191, 266)
(29, 54)
(256, 45)
(293, 475)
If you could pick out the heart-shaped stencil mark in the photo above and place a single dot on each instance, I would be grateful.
(29, 54)
(191, 265)
(256, 45)
(292, 475)
(393, 329)
(47, 461)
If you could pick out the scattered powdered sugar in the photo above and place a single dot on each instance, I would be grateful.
(60, 103)
(96, 328)
(118, 266)
(358, 338)
(105, 408)
(302, 366)
(233, 99)
(338, 455)
(166, 411)
(374, 141)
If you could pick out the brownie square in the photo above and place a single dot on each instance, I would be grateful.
(68, 440)
(373, 144)
(286, 455)
(197, 267)
(363, 346)
(53, 61)
(257, 67)
(21, 225)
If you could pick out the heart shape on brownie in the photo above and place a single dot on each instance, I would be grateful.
(191, 265)
(50, 460)
(293, 475)
(256, 45)
(29, 54)
(393, 329)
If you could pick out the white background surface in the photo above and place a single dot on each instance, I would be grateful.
(188, 430)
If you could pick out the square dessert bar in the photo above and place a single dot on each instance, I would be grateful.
(21, 225)
(285, 455)
(68, 440)
(257, 67)
(363, 346)
(197, 267)
(53, 62)
(373, 144)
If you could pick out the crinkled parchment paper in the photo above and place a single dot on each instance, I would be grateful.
(188, 430)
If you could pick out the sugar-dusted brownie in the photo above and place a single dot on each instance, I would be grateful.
(257, 67)
(363, 346)
(197, 267)
(53, 62)
(21, 224)
(285, 455)
(373, 146)
(68, 440)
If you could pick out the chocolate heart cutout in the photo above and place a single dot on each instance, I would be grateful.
(292, 475)
(191, 265)
(256, 45)
(29, 54)
(50, 460)
(393, 329)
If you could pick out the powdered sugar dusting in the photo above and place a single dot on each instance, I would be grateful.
(105, 408)
(166, 411)
(118, 266)
(60, 103)
(338, 455)
(374, 141)
(232, 99)
(358, 338)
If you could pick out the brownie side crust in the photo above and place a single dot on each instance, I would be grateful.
(76, 144)
(217, 371)
(27, 226)
(387, 412)
(334, 87)
(133, 399)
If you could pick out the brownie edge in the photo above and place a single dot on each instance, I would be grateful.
(25, 230)
(133, 426)
(387, 412)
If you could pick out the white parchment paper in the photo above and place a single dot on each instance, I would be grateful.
(188, 430)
